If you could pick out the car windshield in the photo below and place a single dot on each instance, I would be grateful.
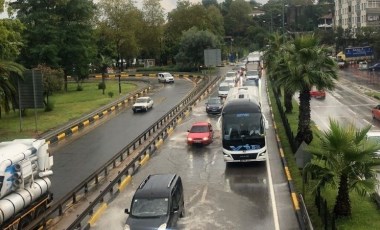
(224, 88)
(242, 125)
(150, 207)
(230, 74)
(199, 129)
(252, 72)
(214, 101)
(141, 100)
(251, 83)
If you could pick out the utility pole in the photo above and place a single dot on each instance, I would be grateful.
(283, 21)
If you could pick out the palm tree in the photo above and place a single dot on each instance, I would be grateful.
(8, 93)
(276, 65)
(309, 65)
(344, 159)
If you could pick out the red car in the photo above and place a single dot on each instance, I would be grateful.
(200, 133)
(376, 112)
(319, 94)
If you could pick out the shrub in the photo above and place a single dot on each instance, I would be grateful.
(102, 85)
(49, 106)
(110, 94)
(79, 88)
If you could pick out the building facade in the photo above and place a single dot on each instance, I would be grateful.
(353, 14)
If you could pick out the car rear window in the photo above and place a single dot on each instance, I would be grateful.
(199, 129)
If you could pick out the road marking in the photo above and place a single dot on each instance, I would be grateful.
(204, 194)
(271, 191)
(97, 214)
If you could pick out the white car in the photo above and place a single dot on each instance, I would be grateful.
(223, 90)
(231, 81)
(142, 104)
(165, 77)
(374, 136)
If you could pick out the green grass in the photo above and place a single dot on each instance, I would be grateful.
(365, 214)
(68, 106)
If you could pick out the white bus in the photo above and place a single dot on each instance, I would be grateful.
(243, 126)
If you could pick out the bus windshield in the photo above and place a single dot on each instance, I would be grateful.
(242, 126)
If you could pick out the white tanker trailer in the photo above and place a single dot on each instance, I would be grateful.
(25, 165)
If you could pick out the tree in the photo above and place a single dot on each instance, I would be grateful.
(58, 34)
(207, 3)
(8, 94)
(10, 38)
(192, 46)
(344, 159)
(152, 38)
(10, 45)
(309, 65)
(188, 15)
(53, 80)
(119, 29)
(238, 18)
(77, 46)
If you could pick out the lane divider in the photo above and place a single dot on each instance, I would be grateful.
(97, 214)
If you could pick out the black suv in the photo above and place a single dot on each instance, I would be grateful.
(157, 204)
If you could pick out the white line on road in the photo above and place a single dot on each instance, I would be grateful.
(204, 194)
(271, 191)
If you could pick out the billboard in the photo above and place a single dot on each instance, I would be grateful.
(359, 52)
(212, 57)
(31, 90)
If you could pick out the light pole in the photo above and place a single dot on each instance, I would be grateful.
(283, 21)
(231, 49)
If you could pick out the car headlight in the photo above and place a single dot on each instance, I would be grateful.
(162, 227)
(205, 138)
(126, 227)
(189, 139)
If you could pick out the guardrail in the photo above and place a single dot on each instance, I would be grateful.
(156, 132)
(68, 129)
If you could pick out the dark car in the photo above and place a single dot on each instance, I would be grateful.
(214, 105)
(157, 204)
(375, 67)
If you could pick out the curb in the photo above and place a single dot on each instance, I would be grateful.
(293, 194)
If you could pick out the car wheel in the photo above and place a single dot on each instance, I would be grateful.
(134, 111)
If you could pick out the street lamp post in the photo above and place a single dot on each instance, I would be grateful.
(231, 49)
(120, 69)
(283, 20)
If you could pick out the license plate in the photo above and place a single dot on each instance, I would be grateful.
(196, 141)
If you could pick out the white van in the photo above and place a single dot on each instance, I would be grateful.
(165, 77)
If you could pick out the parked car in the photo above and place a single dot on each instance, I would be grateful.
(158, 203)
(214, 105)
(224, 87)
(142, 104)
(200, 133)
(165, 77)
(374, 136)
(376, 112)
(374, 67)
(319, 94)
